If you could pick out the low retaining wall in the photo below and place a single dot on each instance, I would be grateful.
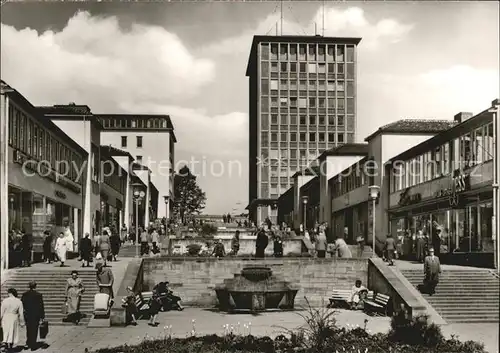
(389, 281)
(247, 245)
(194, 279)
(134, 276)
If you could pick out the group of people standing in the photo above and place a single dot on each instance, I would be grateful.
(28, 311)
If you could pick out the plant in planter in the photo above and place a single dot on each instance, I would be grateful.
(208, 230)
(193, 249)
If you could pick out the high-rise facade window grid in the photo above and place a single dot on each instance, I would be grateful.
(309, 84)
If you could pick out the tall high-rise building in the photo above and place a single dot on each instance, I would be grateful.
(302, 102)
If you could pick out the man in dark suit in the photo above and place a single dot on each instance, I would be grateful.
(34, 313)
(432, 269)
(390, 247)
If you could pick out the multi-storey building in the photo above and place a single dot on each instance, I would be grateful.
(43, 176)
(302, 102)
(150, 139)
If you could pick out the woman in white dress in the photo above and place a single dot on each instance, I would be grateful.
(70, 240)
(12, 317)
(61, 248)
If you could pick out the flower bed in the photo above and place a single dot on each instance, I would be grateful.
(319, 334)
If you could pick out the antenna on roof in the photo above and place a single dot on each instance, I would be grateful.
(281, 14)
(315, 29)
(323, 30)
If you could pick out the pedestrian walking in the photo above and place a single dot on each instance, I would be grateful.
(34, 314)
(390, 248)
(361, 245)
(105, 280)
(26, 247)
(144, 242)
(61, 248)
(12, 316)
(420, 246)
(74, 292)
(86, 250)
(432, 269)
(114, 242)
(123, 234)
(342, 249)
(261, 244)
(47, 247)
(104, 247)
(321, 244)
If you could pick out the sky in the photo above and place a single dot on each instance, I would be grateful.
(188, 60)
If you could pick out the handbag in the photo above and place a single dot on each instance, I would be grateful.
(44, 329)
(64, 308)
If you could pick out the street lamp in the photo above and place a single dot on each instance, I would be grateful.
(139, 194)
(305, 199)
(374, 193)
(167, 200)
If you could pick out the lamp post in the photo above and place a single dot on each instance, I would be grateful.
(374, 192)
(495, 110)
(139, 194)
(305, 199)
(167, 200)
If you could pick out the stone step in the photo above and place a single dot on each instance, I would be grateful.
(468, 311)
(461, 301)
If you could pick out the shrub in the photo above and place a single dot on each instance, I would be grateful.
(193, 249)
(416, 331)
(320, 326)
(208, 230)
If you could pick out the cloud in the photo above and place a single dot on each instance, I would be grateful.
(350, 22)
(200, 135)
(438, 93)
(95, 59)
(142, 69)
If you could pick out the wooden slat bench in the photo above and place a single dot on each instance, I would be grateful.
(378, 304)
(339, 298)
(142, 304)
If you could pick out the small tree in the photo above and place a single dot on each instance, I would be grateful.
(189, 199)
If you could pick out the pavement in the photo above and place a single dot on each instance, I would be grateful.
(205, 321)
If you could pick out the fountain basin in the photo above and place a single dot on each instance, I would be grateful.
(255, 289)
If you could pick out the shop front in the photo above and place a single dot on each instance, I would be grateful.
(455, 212)
(38, 204)
(356, 219)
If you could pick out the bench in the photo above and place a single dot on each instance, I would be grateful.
(142, 304)
(342, 297)
(339, 298)
(378, 304)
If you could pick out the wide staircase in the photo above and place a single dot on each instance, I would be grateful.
(470, 296)
(51, 283)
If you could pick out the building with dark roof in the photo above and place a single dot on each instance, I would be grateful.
(42, 175)
(444, 188)
(302, 102)
(414, 127)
